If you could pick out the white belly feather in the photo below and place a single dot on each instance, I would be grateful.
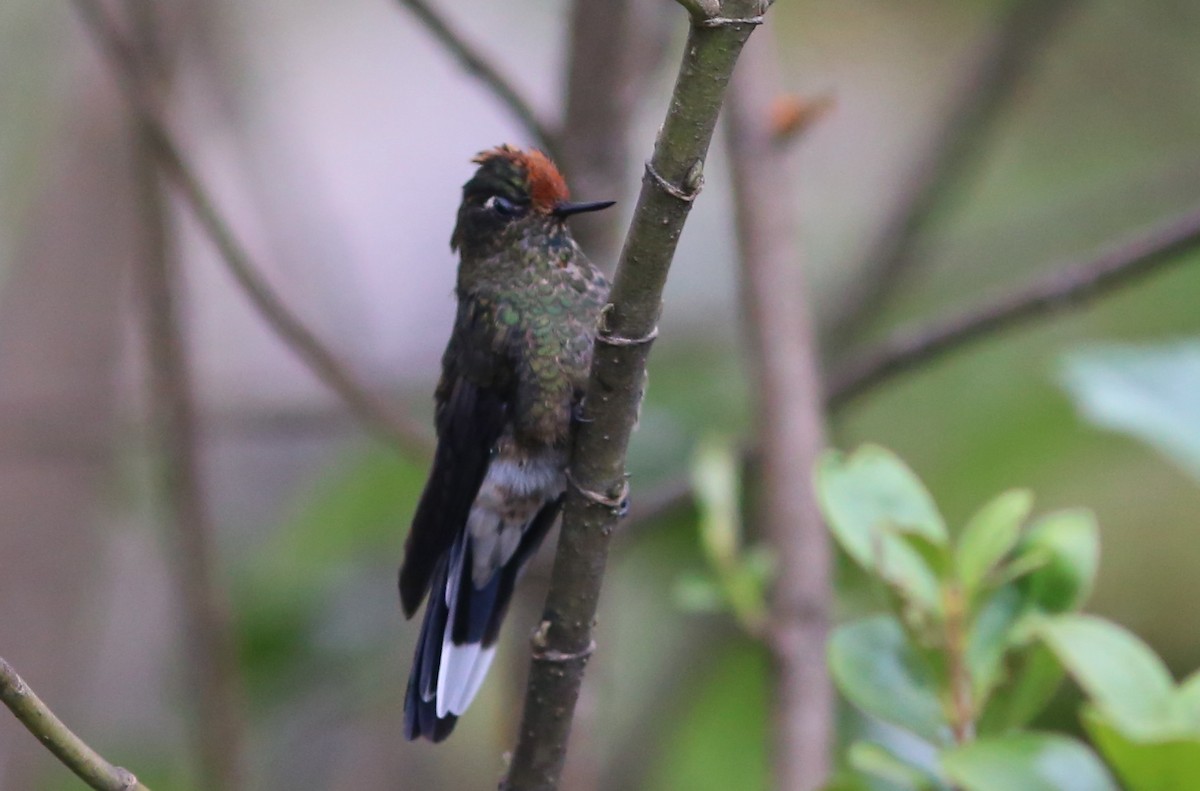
(513, 491)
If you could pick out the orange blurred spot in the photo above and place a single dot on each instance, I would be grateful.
(792, 115)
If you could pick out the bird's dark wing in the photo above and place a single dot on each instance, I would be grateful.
(473, 405)
(469, 423)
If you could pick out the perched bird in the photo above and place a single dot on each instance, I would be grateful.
(512, 378)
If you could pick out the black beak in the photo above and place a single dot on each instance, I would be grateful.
(566, 209)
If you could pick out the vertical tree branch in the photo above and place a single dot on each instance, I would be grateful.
(605, 77)
(1005, 58)
(597, 486)
(207, 622)
(790, 423)
(61, 327)
(88, 765)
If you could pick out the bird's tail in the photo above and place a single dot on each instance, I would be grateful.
(458, 636)
(447, 672)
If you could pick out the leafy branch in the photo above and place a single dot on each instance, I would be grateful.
(955, 660)
(980, 627)
(597, 487)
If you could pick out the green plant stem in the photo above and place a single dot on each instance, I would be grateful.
(563, 643)
(962, 707)
(72, 751)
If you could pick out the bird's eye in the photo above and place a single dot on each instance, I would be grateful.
(502, 206)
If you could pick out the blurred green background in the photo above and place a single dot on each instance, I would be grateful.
(337, 136)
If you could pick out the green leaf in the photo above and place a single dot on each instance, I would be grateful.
(1126, 681)
(1070, 542)
(875, 760)
(877, 670)
(1147, 392)
(1168, 764)
(1033, 676)
(745, 589)
(873, 488)
(845, 780)
(989, 639)
(1025, 561)
(759, 562)
(1026, 762)
(935, 555)
(698, 593)
(715, 479)
(741, 579)
(870, 499)
(990, 536)
(1188, 700)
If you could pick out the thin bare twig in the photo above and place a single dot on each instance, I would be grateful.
(208, 629)
(1003, 61)
(399, 430)
(88, 765)
(563, 642)
(1066, 288)
(469, 56)
(790, 412)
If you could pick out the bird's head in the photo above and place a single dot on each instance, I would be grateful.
(512, 186)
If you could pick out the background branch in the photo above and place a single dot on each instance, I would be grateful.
(1005, 57)
(470, 58)
(209, 653)
(85, 762)
(564, 640)
(1068, 287)
(401, 431)
(1065, 288)
(790, 428)
(614, 48)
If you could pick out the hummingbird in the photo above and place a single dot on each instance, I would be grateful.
(512, 381)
